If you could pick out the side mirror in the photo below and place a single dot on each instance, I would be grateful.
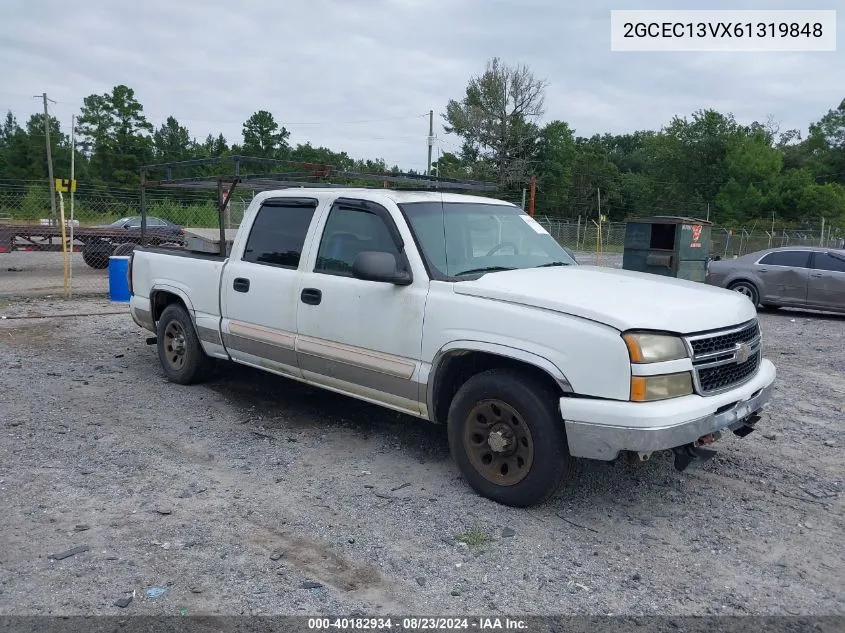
(379, 266)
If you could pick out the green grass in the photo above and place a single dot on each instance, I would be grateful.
(474, 538)
(194, 215)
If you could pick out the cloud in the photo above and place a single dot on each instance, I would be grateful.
(325, 66)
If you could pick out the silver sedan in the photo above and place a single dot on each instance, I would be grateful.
(791, 276)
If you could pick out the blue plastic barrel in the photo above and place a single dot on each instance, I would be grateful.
(118, 280)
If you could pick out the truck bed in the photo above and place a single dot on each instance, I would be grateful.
(181, 252)
(195, 277)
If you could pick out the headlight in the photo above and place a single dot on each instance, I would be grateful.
(649, 388)
(644, 347)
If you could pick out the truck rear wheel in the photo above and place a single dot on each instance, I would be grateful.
(507, 437)
(179, 350)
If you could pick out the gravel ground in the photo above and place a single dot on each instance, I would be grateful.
(256, 495)
(42, 273)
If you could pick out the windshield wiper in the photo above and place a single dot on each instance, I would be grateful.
(486, 269)
(553, 264)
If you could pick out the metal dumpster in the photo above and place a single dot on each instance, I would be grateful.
(668, 245)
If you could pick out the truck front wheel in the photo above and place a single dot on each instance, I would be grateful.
(507, 437)
(179, 350)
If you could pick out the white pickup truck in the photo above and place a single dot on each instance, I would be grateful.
(464, 311)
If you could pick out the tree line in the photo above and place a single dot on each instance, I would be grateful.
(705, 164)
(114, 139)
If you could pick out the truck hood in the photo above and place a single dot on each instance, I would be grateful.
(622, 299)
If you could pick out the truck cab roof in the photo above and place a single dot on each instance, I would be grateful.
(395, 195)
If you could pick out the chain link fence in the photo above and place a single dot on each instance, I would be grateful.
(40, 257)
(590, 243)
(603, 245)
(104, 221)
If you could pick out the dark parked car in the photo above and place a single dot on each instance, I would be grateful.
(133, 223)
(791, 276)
(113, 241)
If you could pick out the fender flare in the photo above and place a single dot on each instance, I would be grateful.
(497, 349)
(174, 290)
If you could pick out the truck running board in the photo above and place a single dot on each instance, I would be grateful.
(689, 455)
(152, 340)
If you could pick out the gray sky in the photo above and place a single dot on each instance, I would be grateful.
(361, 75)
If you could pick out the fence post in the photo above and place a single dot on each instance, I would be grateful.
(143, 207)
(64, 239)
(598, 240)
(578, 234)
(221, 220)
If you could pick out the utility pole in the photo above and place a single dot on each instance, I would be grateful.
(43, 96)
(598, 226)
(72, 176)
(533, 194)
(708, 211)
(430, 140)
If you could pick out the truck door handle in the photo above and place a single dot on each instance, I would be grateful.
(311, 296)
(240, 284)
(816, 275)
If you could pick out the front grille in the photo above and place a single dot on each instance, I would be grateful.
(719, 358)
(724, 376)
(724, 342)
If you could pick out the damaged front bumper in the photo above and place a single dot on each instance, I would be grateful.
(601, 429)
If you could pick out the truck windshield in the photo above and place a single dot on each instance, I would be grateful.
(466, 239)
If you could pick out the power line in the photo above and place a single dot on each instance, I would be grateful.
(399, 118)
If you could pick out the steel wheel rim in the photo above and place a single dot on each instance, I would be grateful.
(175, 346)
(498, 442)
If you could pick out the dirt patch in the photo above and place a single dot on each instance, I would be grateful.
(31, 333)
(319, 561)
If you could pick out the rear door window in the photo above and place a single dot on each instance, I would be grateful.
(833, 263)
(278, 233)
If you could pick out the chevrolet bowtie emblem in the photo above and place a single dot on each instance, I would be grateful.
(743, 351)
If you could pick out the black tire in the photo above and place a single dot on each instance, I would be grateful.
(123, 249)
(96, 254)
(179, 350)
(748, 289)
(546, 464)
